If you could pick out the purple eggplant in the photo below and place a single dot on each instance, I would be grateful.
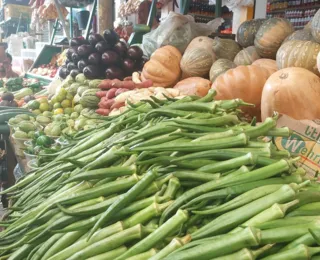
(94, 58)
(74, 73)
(95, 38)
(135, 53)
(103, 46)
(72, 66)
(70, 51)
(82, 64)
(75, 57)
(129, 66)
(121, 48)
(85, 50)
(92, 72)
(110, 58)
(114, 72)
(110, 36)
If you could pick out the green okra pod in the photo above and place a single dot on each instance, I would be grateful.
(245, 254)
(220, 246)
(248, 159)
(300, 252)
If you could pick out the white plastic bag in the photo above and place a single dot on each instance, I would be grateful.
(233, 4)
(177, 30)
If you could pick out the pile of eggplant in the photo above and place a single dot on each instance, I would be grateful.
(102, 57)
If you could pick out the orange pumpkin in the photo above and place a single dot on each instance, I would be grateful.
(193, 86)
(244, 82)
(292, 91)
(318, 62)
(270, 65)
(163, 68)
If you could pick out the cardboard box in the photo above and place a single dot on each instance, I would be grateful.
(304, 142)
(14, 11)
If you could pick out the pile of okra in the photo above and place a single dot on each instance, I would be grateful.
(167, 179)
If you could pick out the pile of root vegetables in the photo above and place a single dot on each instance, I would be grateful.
(167, 179)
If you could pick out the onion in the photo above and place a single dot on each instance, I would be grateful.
(294, 92)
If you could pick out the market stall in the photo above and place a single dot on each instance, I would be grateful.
(181, 147)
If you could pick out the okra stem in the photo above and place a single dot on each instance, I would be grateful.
(147, 243)
(245, 254)
(171, 247)
(110, 255)
(144, 256)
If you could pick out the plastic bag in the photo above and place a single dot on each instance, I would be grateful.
(177, 30)
(233, 4)
(48, 11)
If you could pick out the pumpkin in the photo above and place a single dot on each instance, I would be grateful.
(299, 54)
(219, 67)
(308, 26)
(244, 82)
(318, 61)
(163, 68)
(247, 31)
(302, 35)
(201, 41)
(225, 48)
(292, 91)
(270, 36)
(270, 65)
(196, 62)
(315, 26)
(246, 56)
(193, 86)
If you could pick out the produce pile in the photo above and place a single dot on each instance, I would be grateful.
(50, 69)
(166, 179)
(15, 91)
(102, 57)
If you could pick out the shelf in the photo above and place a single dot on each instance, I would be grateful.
(297, 8)
(13, 20)
(210, 16)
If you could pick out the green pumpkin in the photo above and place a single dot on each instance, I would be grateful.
(247, 32)
(219, 67)
(315, 26)
(302, 35)
(301, 54)
(225, 48)
(246, 56)
(270, 36)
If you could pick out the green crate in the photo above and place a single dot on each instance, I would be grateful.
(43, 80)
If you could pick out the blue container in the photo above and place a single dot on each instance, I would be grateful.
(82, 18)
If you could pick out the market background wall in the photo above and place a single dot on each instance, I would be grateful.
(261, 9)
